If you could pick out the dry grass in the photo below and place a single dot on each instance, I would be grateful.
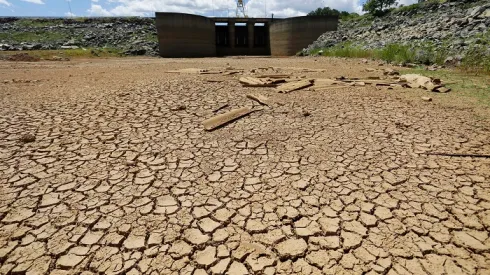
(468, 90)
(71, 54)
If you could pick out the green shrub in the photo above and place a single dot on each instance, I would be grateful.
(39, 23)
(347, 50)
(477, 58)
(28, 37)
(396, 53)
(417, 6)
(408, 8)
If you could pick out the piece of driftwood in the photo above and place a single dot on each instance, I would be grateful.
(232, 72)
(262, 100)
(328, 88)
(259, 82)
(223, 119)
(274, 76)
(420, 81)
(293, 86)
(458, 155)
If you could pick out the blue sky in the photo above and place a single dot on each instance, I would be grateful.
(255, 8)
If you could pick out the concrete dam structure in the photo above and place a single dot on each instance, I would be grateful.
(187, 35)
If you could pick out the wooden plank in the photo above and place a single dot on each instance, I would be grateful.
(326, 88)
(274, 76)
(256, 82)
(223, 119)
(251, 81)
(293, 86)
(262, 100)
(232, 72)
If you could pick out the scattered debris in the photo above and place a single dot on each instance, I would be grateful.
(409, 65)
(178, 108)
(426, 98)
(24, 57)
(274, 76)
(293, 86)
(262, 100)
(59, 58)
(389, 71)
(386, 71)
(420, 81)
(221, 107)
(433, 68)
(262, 82)
(27, 138)
(223, 119)
(358, 84)
(232, 72)
(194, 71)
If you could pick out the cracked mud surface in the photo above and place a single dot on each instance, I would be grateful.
(121, 179)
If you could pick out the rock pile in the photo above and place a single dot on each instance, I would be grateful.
(133, 36)
(454, 26)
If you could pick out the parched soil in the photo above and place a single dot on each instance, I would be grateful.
(106, 168)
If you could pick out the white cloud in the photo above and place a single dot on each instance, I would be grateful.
(288, 8)
(5, 2)
(70, 14)
(255, 8)
(98, 10)
(407, 2)
(39, 2)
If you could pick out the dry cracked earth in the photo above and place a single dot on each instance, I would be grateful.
(119, 176)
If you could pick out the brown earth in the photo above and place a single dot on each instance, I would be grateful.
(105, 168)
(24, 57)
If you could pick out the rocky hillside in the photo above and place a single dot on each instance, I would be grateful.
(129, 35)
(454, 28)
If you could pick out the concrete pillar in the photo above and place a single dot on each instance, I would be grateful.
(267, 35)
(231, 33)
(251, 33)
(185, 35)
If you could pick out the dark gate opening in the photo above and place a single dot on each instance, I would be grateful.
(261, 35)
(241, 35)
(222, 39)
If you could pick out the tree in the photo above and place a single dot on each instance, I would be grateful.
(378, 6)
(324, 12)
